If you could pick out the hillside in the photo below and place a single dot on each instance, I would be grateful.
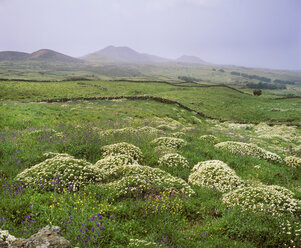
(43, 55)
(125, 54)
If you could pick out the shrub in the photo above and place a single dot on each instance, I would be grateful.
(268, 199)
(173, 160)
(209, 138)
(293, 161)
(127, 178)
(215, 174)
(253, 150)
(123, 148)
(60, 172)
(170, 142)
(257, 92)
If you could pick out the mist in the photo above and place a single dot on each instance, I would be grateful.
(251, 33)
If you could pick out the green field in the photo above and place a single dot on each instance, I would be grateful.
(119, 208)
(217, 102)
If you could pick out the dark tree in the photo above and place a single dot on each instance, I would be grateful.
(257, 92)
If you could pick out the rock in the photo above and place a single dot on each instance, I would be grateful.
(48, 236)
(3, 244)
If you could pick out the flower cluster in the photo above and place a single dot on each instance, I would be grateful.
(60, 172)
(209, 138)
(6, 237)
(108, 163)
(121, 178)
(291, 232)
(215, 174)
(165, 202)
(173, 160)
(115, 160)
(120, 131)
(162, 150)
(138, 243)
(54, 154)
(293, 161)
(170, 142)
(267, 199)
(167, 127)
(178, 135)
(149, 130)
(284, 132)
(253, 150)
(123, 148)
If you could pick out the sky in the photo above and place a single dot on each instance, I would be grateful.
(251, 33)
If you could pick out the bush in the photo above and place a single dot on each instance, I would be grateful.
(216, 175)
(60, 172)
(293, 161)
(273, 200)
(173, 160)
(170, 142)
(123, 148)
(253, 150)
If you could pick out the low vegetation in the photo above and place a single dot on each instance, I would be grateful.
(128, 173)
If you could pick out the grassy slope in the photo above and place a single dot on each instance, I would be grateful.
(218, 102)
(202, 221)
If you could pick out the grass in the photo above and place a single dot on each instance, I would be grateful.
(28, 129)
(216, 102)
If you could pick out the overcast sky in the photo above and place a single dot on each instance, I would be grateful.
(255, 33)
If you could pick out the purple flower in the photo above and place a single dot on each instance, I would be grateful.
(102, 228)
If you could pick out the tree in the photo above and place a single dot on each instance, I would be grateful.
(257, 92)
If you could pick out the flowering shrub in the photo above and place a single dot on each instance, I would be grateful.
(209, 138)
(6, 237)
(173, 160)
(253, 150)
(284, 132)
(293, 161)
(178, 135)
(138, 243)
(267, 199)
(108, 163)
(60, 172)
(54, 154)
(120, 131)
(291, 233)
(149, 130)
(215, 174)
(170, 142)
(167, 127)
(123, 148)
(161, 150)
(121, 178)
(115, 160)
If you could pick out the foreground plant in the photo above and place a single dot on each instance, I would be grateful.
(274, 200)
(253, 150)
(215, 174)
(59, 172)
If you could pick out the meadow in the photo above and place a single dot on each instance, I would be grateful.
(171, 179)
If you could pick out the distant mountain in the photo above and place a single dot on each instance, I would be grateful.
(124, 54)
(43, 55)
(13, 56)
(191, 60)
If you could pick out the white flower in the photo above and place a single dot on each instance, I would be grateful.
(215, 174)
(123, 148)
(173, 160)
(253, 150)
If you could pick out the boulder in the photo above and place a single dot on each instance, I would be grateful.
(48, 236)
